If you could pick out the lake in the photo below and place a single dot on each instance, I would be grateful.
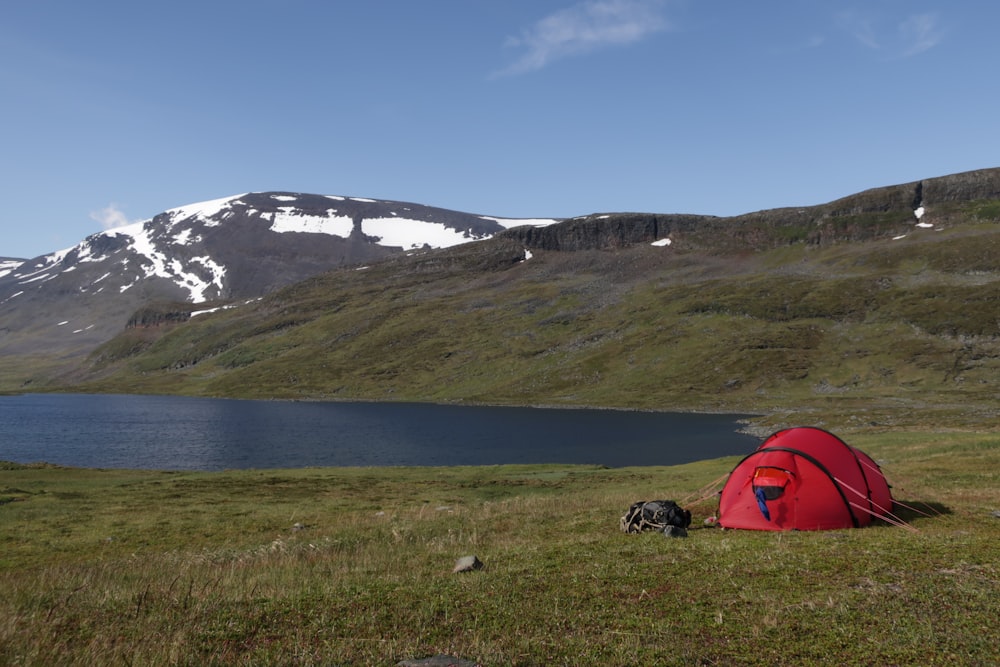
(181, 433)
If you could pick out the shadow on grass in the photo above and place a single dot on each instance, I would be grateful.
(908, 510)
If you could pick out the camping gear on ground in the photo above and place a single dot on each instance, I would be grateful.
(655, 515)
(804, 478)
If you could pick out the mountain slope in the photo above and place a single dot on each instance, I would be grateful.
(63, 304)
(881, 307)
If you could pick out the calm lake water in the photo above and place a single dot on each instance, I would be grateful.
(177, 433)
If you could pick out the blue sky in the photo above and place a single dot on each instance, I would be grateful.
(115, 111)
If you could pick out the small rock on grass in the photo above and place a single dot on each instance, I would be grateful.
(468, 564)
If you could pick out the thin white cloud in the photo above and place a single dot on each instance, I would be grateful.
(860, 27)
(110, 217)
(583, 28)
(912, 35)
(921, 32)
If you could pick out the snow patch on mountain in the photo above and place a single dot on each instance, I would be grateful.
(35, 277)
(8, 266)
(85, 253)
(396, 232)
(186, 237)
(204, 210)
(288, 220)
(46, 263)
(410, 234)
(156, 263)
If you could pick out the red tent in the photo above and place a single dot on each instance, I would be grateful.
(804, 479)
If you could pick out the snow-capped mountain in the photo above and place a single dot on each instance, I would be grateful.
(238, 247)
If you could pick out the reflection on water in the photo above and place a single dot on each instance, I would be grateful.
(179, 433)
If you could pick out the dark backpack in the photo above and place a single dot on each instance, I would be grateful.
(654, 515)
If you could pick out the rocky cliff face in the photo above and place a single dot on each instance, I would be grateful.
(608, 231)
(967, 186)
(884, 212)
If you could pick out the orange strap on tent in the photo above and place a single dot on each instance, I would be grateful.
(884, 513)
(704, 493)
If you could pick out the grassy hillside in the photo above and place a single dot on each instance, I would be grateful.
(875, 331)
(353, 567)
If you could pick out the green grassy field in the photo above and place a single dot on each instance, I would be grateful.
(354, 567)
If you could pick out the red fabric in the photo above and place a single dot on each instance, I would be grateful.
(831, 485)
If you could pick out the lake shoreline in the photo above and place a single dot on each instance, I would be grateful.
(195, 433)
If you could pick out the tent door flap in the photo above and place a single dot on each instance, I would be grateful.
(771, 482)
